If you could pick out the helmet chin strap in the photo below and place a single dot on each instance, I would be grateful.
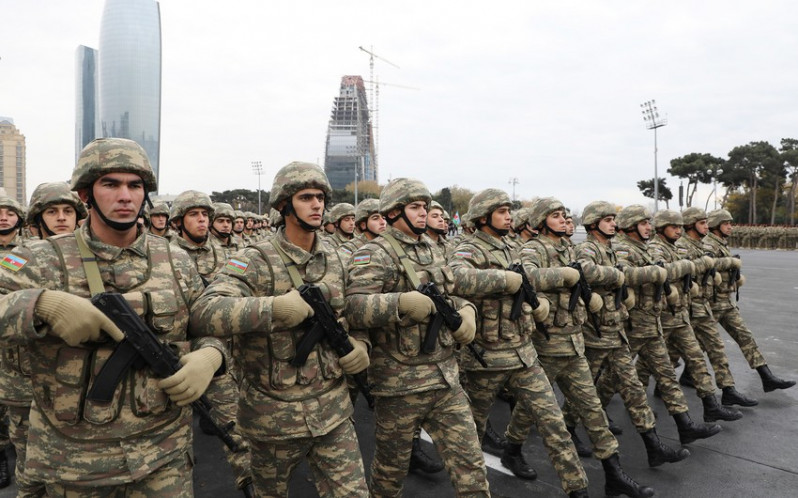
(117, 225)
(7, 231)
(289, 209)
(413, 228)
(197, 240)
(547, 228)
(221, 235)
(43, 226)
(662, 232)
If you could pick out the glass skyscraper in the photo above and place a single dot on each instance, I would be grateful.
(128, 77)
(85, 98)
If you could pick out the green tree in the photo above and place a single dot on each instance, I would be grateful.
(747, 164)
(460, 198)
(789, 153)
(695, 168)
(647, 189)
(243, 199)
(444, 198)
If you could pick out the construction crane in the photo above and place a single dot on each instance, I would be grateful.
(372, 97)
(375, 126)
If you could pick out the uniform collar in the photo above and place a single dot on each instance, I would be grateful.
(190, 245)
(298, 255)
(496, 242)
(109, 252)
(407, 239)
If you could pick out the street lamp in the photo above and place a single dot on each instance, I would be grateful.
(653, 121)
(714, 172)
(258, 170)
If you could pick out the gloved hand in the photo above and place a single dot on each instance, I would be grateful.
(620, 280)
(513, 282)
(660, 275)
(695, 290)
(541, 312)
(718, 278)
(708, 263)
(596, 302)
(741, 281)
(289, 310)
(736, 263)
(468, 328)
(357, 360)
(74, 319)
(188, 383)
(630, 301)
(673, 298)
(416, 305)
(570, 276)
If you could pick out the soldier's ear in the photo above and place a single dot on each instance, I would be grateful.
(83, 194)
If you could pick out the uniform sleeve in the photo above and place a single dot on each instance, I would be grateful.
(596, 273)
(472, 278)
(370, 302)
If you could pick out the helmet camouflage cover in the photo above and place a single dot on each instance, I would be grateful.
(188, 200)
(296, 176)
(402, 191)
(366, 208)
(541, 208)
(486, 201)
(631, 215)
(341, 210)
(596, 211)
(692, 215)
(223, 210)
(275, 218)
(667, 217)
(112, 155)
(718, 216)
(49, 194)
(9, 203)
(520, 217)
(159, 208)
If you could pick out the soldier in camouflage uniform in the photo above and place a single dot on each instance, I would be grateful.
(369, 223)
(413, 388)
(12, 217)
(480, 270)
(643, 329)
(561, 348)
(289, 412)
(607, 350)
(54, 209)
(675, 318)
(437, 228)
(239, 222)
(159, 220)
(249, 227)
(570, 228)
(222, 229)
(342, 216)
(724, 308)
(691, 247)
(76, 446)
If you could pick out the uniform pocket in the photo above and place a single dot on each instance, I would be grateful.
(283, 350)
(70, 375)
(490, 313)
(409, 338)
(162, 310)
(102, 413)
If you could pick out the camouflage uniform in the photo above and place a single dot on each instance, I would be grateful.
(479, 264)
(337, 212)
(207, 256)
(286, 412)
(413, 388)
(161, 208)
(230, 244)
(75, 443)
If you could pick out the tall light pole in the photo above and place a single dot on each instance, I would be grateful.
(258, 170)
(513, 181)
(653, 121)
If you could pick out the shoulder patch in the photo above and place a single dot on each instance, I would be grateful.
(463, 254)
(236, 266)
(13, 262)
(361, 259)
(622, 252)
(589, 251)
(681, 250)
(344, 250)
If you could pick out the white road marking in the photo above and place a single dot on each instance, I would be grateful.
(491, 461)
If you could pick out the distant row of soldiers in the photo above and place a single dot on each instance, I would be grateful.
(764, 237)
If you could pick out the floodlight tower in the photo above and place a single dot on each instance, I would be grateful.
(653, 121)
(257, 168)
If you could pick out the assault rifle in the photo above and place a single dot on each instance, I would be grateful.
(445, 314)
(622, 292)
(139, 349)
(734, 276)
(324, 325)
(666, 287)
(526, 293)
(582, 289)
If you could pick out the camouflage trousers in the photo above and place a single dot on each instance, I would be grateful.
(174, 479)
(617, 364)
(654, 353)
(733, 323)
(683, 340)
(572, 374)
(445, 415)
(535, 404)
(708, 335)
(5, 442)
(19, 423)
(334, 460)
(223, 394)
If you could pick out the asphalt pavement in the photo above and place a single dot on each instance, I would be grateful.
(756, 456)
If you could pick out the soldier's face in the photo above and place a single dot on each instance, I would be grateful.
(60, 218)
(329, 228)
(569, 226)
(416, 213)
(347, 224)
(238, 225)
(672, 232)
(118, 195)
(644, 229)
(8, 218)
(223, 225)
(376, 223)
(435, 219)
(250, 223)
(702, 227)
(726, 228)
(309, 206)
(195, 222)
(607, 225)
(501, 218)
(158, 221)
(556, 221)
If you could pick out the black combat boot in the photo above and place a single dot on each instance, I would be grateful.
(714, 411)
(579, 493)
(248, 490)
(659, 453)
(732, 396)
(5, 476)
(581, 449)
(770, 382)
(514, 460)
(689, 431)
(614, 428)
(617, 482)
(493, 443)
(419, 460)
(686, 380)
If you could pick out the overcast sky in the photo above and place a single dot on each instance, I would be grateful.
(545, 92)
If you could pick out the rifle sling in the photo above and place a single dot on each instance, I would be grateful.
(89, 265)
(410, 272)
(290, 266)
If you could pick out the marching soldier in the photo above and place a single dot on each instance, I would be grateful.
(159, 220)
(437, 228)
(342, 216)
(369, 224)
(222, 228)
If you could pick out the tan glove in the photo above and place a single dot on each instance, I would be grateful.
(188, 383)
(620, 280)
(513, 282)
(630, 301)
(718, 278)
(468, 328)
(672, 298)
(736, 263)
(74, 319)
(357, 360)
(695, 290)
(596, 302)
(660, 275)
(708, 262)
(289, 310)
(416, 305)
(741, 281)
(570, 276)
(541, 312)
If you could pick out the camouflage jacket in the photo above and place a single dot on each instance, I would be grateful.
(227, 248)
(638, 268)
(479, 263)
(15, 386)
(599, 265)
(348, 248)
(70, 443)
(209, 257)
(565, 327)
(337, 239)
(694, 250)
(719, 249)
(679, 269)
(278, 400)
(376, 281)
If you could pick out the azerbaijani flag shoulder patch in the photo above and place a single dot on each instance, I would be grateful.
(589, 251)
(344, 250)
(361, 259)
(236, 266)
(464, 254)
(13, 262)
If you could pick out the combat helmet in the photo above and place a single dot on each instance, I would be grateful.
(188, 200)
(718, 216)
(487, 201)
(341, 210)
(159, 208)
(631, 215)
(366, 208)
(9, 203)
(223, 210)
(541, 208)
(275, 218)
(597, 211)
(692, 215)
(112, 155)
(667, 217)
(296, 176)
(402, 191)
(520, 219)
(48, 194)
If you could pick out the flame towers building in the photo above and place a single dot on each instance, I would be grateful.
(118, 86)
(350, 144)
